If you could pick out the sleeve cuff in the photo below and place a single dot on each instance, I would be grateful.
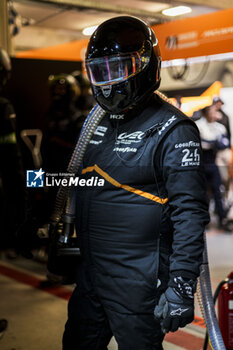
(183, 273)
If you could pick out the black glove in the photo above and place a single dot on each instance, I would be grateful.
(176, 306)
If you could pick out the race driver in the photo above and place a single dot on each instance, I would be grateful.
(141, 233)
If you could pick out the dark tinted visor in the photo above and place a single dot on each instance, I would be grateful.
(114, 69)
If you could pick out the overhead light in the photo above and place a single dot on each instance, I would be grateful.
(89, 30)
(228, 56)
(177, 11)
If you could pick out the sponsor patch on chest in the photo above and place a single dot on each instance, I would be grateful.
(100, 130)
(128, 142)
(128, 139)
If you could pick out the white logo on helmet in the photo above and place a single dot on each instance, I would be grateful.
(106, 90)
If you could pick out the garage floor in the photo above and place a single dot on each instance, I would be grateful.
(37, 315)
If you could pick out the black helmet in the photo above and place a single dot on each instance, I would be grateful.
(123, 63)
(63, 87)
(5, 67)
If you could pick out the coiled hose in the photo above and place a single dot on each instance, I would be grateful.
(64, 195)
(206, 302)
(216, 293)
(65, 203)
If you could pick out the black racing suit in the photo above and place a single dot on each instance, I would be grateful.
(142, 226)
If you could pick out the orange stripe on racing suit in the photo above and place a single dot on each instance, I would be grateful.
(125, 187)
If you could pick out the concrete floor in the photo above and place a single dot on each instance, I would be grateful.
(37, 316)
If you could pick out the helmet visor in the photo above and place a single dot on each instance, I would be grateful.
(117, 68)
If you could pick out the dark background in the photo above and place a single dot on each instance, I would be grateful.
(28, 91)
